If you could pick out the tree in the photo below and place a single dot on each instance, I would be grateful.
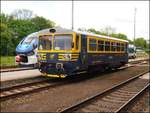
(42, 23)
(140, 42)
(130, 41)
(94, 31)
(14, 30)
(6, 45)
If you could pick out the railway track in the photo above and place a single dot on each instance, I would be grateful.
(16, 69)
(26, 88)
(113, 99)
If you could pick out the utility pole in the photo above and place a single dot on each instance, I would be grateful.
(134, 24)
(72, 14)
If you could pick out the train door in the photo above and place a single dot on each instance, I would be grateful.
(84, 55)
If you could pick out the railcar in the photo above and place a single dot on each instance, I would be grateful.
(26, 50)
(131, 51)
(63, 52)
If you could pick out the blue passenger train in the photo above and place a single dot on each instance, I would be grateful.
(26, 50)
(63, 52)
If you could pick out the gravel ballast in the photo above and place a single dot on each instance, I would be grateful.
(56, 99)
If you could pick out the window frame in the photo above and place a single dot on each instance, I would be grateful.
(45, 38)
(61, 51)
(94, 44)
(108, 41)
(64, 44)
(101, 44)
(113, 46)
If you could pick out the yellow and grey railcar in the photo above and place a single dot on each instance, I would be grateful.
(63, 52)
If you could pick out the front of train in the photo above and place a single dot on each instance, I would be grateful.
(131, 51)
(26, 50)
(57, 53)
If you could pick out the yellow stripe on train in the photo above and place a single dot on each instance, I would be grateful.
(53, 75)
(68, 60)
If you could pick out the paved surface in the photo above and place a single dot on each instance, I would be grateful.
(130, 60)
(145, 76)
(19, 75)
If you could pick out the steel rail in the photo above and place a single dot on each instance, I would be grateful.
(30, 83)
(132, 99)
(21, 85)
(100, 94)
(17, 69)
(28, 88)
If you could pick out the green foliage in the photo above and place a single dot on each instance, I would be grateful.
(6, 44)
(16, 26)
(140, 42)
(42, 23)
(94, 31)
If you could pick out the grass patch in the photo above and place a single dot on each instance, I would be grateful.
(7, 61)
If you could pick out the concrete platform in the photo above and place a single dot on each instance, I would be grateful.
(136, 59)
(7, 76)
(145, 76)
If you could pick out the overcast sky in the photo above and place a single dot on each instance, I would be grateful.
(90, 14)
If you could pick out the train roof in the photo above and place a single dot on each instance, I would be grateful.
(60, 30)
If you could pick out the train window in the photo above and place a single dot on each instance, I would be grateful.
(28, 40)
(77, 42)
(113, 46)
(118, 46)
(100, 45)
(122, 47)
(107, 46)
(92, 44)
(63, 42)
(45, 43)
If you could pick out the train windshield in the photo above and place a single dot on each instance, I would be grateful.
(62, 42)
(45, 43)
(28, 40)
(131, 50)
